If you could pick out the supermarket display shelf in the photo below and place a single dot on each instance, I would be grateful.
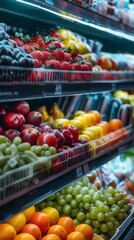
(40, 189)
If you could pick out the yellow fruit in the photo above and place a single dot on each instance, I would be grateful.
(76, 123)
(7, 232)
(66, 34)
(43, 111)
(92, 57)
(72, 45)
(92, 148)
(91, 119)
(83, 121)
(83, 48)
(52, 213)
(78, 113)
(84, 136)
(88, 133)
(18, 221)
(55, 112)
(29, 212)
(97, 131)
(60, 123)
(97, 237)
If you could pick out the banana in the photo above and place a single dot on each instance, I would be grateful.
(43, 111)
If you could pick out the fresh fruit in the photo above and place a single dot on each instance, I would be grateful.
(11, 133)
(7, 232)
(58, 54)
(86, 230)
(41, 220)
(115, 124)
(60, 137)
(52, 213)
(69, 139)
(21, 107)
(52, 64)
(67, 223)
(59, 231)
(26, 126)
(29, 135)
(34, 118)
(97, 115)
(74, 131)
(51, 237)
(45, 128)
(47, 138)
(33, 230)
(28, 212)
(75, 236)
(18, 221)
(24, 236)
(1, 130)
(13, 120)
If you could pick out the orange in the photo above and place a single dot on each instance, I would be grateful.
(33, 230)
(83, 121)
(24, 236)
(86, 230)
(97, 115)
(52, 213)
(41, 220)
(29, 212)
(58, 230)
(18, 221)
(91, 119)
(105, 126)
(75, 236)
(67, 223)
(51, 237)
(115, 124)
(7, 232)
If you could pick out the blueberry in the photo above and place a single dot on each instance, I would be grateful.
(24, 62)
(22, 49)
(2, 50)
(5, 42)
(31, 62)
(14, 62)
(16, 51)
(19, 55)
(10, 52)
(2, 35)
(6, 60)
(4, 26)
(29, 56)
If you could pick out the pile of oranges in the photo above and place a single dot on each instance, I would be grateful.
(44, 225)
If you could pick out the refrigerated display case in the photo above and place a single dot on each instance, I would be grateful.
(27, 185)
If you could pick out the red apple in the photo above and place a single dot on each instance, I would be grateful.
(34, 118)
(65, 150)
(1, 130)
(21, 107)
(74, 130)
(60, 137)
(57, 165)
(22, 118)
(29, 135)
(45, 128)
(11, 133)
(47, 138)
(69, 139)
(3, 111)
(26, 126)
(12, 120)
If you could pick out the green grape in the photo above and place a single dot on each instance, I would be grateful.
(94, 187)
(121, 203)
(101, 208)
(67, 209)
(63, 191)
(96, 230)
(81, 205)
(86, 198)
(103, 227)
(100, 217)
(74, 212)
(115, 210)
(102, 197)
(47, 153)
(61, 202)
(93, 213)
(37, 150)
(68, 197)
(58, 207)
(52, 150)
(110, 225)
(103, 236)
(7, 151)
(98, 203)
(76, 222)
(91, 192)
(73, 204)
(106, 208)
(50, 198)
(87, 221)
(117, 224)
(120, 216)
(45, 147)
(80, 216)
(112, 219)
(118, 196)
(111, 200)
(24, 146)
(78, 198)
(41, 205)
(87, 216)
(57, 195)
(84, 190)
(95, 197)
(79, 183)
(17, 140)
(86, 206)
(85, 181)
(106, 216)
(49, 204)
(112, 231)
(110, 190)
(96, 223)
(69, 189)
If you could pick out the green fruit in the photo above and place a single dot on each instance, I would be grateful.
(24, 146)
(17, 141)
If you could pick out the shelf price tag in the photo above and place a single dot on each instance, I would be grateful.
(9, 94)
(79, 171)
(58, 89)
(86, 168)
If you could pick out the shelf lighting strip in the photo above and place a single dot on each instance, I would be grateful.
(104, 29)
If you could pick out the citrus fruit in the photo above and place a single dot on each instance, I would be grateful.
(115, 124)
(76, 123)
(51, 237)
(7, 232)
(29, 212)
(86, 230)
(84, 136)
(88, 133)
(58, 230)
(83, 121)
(67, 223)
(75, 236)
(24, 236)
(97, 115)
(97, 237)
(52, 213)
(41, 220)
(18, 221)
(78, 113)
(33, 230)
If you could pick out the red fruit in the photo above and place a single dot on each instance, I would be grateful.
(77, 57)
(43, 45)
(53, 64)
(105, 63)
(37, 55)
(65, 66)
(77, 67)
(41, 220)
(37, 64)
(32, 76)
(21, 107)
(58, 54)
(46, 55)
(89, 65)
(29, 135)
(67, 56)
(48, 138)
(69, 139)
(74, 131)
(12, 120)
(22, 119)
(45, 128)
(1, 130)
(26, 126)
(64, 149)
(67, 75)
(57, 165)
(55, 34)
(18, 41)
(34, 118)
(33, 45)
(27, 48)
(37, 38)
(11, 133)
(55, 44)
(60, 137)
(85, 67)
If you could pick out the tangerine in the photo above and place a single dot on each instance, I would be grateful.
(67, 223)
(115, 124)
(51, 237)
(18, 221)
(58, 230)
(41, 220)
(24, 236)
(75, 236)
(29, 212)
(33, 230)
(52, 213)
(7, 232)
(97, 115)
(86, 230)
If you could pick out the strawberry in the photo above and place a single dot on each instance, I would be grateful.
(41, 75)
(46, 55)
(77, 57)
(58, 54)
(32, 77)
(67, 56)
(55, 44)
(85, 67)
(90, 65)
(27, 48)
(18, 41)
(36, 63)
(43, 45)
(65, 66)
(76, 67)
(37, 55)
(67, 75)
(37, 38)
(33, 45)
(55, 34)
(53, 64)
